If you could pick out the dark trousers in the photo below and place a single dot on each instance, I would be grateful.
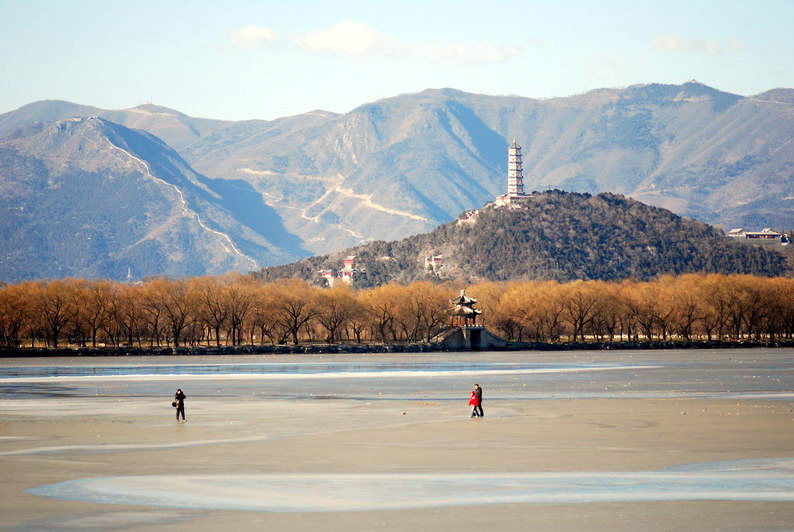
(478, 409)
(178, 410)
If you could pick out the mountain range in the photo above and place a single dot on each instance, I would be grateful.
(320, 182)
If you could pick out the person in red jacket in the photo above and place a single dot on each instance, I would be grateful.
(478, 393)
(474, 402)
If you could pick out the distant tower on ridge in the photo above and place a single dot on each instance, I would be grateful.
(515, 173)
(515, 176)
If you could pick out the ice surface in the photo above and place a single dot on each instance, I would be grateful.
(751, 480)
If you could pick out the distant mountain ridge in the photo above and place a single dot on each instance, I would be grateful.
(404, 165)
(553, 235)
(176, 129)
(86, 197)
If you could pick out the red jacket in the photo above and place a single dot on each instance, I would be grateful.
(473, 400)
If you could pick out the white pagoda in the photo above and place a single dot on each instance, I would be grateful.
(515, 177)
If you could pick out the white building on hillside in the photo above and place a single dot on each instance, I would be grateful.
(345, 275)
(767, 233)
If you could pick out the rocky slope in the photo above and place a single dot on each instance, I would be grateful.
(86, 197)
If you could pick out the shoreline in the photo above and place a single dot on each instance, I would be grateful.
(47, 352)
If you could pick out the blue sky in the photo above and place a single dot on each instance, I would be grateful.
(267, 59)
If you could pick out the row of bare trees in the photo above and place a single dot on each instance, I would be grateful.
(235, 310)
(694, 306)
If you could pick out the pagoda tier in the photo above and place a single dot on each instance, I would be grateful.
(463, 300)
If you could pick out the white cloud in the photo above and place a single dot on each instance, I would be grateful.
(347, 38)
(251, 37)
(355, 40)
(679, 43)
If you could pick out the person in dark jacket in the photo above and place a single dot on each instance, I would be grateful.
(478, 393)
(179, 399)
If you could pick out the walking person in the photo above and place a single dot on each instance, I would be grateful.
(478, 393)
(473, 402)
(179, 403)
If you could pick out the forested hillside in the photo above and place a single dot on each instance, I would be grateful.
(554, 235)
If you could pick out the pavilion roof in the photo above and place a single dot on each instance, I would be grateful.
(464, 311)
(463, 299)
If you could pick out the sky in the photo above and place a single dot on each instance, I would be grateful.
(266, 59)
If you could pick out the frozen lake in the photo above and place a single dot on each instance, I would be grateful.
(717, 373)
(339, 410)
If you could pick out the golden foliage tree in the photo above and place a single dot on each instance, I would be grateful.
(237, 308)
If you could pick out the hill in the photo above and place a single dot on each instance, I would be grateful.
(553, 235)
(87, 197)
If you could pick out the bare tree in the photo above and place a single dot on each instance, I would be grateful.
(56, 307)
(294, 306)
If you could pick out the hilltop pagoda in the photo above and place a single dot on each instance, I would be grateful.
(515, 177)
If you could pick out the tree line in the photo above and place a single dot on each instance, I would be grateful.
(235, 310)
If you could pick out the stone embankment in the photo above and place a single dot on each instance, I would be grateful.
(27, 352)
